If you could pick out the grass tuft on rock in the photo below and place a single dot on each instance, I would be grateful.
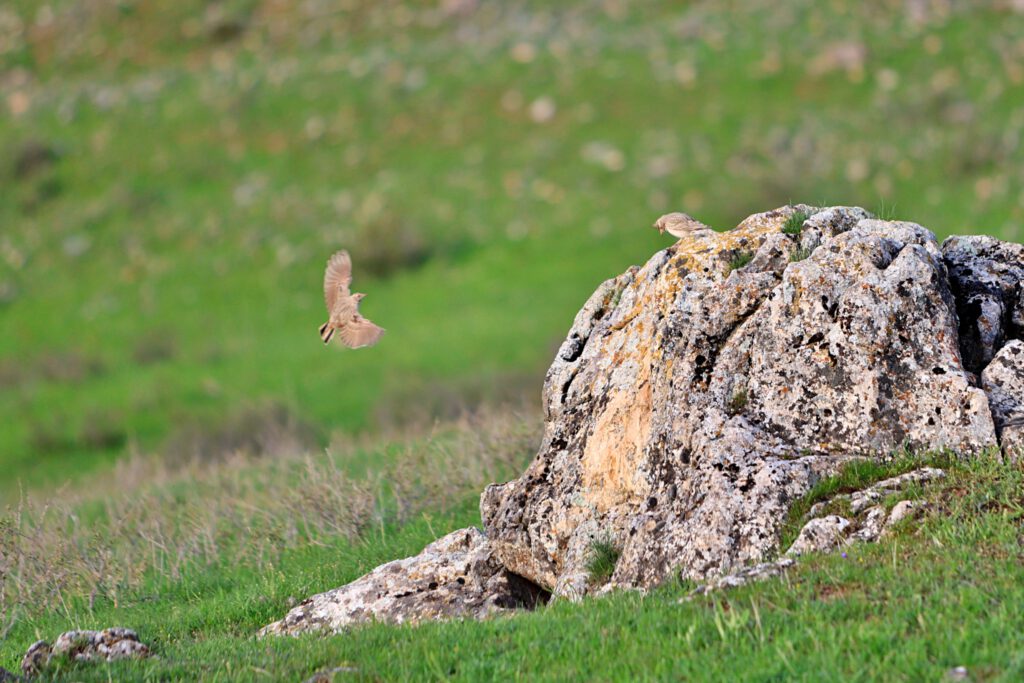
(603, 558)
(740, 259)
(738, 401)
(799, 255)
(794, 225)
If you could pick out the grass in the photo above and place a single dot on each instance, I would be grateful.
(174, 174)
(741, 259)
(738, 401)
(602, 560)
(794, 225)
(799, 254)
(947, 589)
(182, 456)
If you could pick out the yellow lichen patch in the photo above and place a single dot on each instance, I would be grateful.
(616, 447)
(697, 251)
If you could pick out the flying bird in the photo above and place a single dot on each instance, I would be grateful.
(354, 331)
(680, 225)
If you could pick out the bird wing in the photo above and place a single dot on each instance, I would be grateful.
(337, 278)
(360, 332)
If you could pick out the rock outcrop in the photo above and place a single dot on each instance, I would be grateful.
(697, 396)
(107, 645)
(454, 577)
(693, 402)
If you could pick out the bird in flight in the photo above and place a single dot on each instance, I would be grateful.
(353, 330)
(680, 225)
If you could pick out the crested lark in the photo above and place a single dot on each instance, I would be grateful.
(680, 225)
(353, 329)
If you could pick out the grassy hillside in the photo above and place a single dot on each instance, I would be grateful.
(174, 175)
(939, 594)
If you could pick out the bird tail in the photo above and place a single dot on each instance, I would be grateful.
(326, 332)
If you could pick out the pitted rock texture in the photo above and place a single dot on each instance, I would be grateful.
(752, 574)
(1003, 380)
(454, 577)
(107, 645)
(862, 500)
(820, 535)
(692, 403)
(987, 277)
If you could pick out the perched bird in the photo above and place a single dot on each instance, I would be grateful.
(354, 331)
(680, 225)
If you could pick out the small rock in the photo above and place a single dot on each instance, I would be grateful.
(872, 526)
(328, 675)
(8, 677)
(456, 576)
(958, 673)
(107, 645)
(862, 500)
(820, 535)
(905, 509)
(37, 657)
(758, 572)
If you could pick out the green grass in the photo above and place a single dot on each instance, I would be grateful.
(160, 268)
(947, 590)
(740, 259)
(794, 225)
(602, 560)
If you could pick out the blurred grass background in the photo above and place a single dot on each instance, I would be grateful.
(174, 174)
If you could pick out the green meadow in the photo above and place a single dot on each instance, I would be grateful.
(174, 175)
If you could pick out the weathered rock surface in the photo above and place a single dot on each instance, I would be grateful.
(862, 500)
(1003, 380)
(986, 275)
(752, 574)
(107, 645)
(454, 577)
(691, 403)
(820, 535)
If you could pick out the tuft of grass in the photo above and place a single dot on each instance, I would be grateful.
(799, 255)
(740, 259)
(794, 225)
(738, 401)
(603, 558)
(886, 211)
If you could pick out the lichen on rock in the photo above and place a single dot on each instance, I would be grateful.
(851, 351)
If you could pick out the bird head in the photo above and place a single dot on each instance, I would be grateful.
(660, 225)
(358, 296)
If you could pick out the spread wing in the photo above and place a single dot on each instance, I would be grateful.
(360, 332)
(337, 277)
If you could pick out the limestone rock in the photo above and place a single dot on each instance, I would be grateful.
(986, 275)
(905, 509)
(107, 645)
(1003, 381)
(691, 403)
(455, 576)
(874, 523)
(861, 500)
(820, 535)
(757, 572)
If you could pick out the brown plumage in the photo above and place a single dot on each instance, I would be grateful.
(353, 329)
(680, 225)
